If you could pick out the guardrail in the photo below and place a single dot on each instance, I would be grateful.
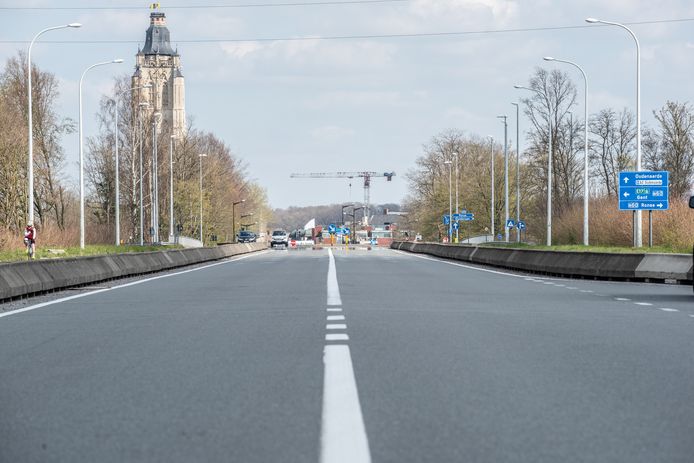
(20, 279)
(670, 268)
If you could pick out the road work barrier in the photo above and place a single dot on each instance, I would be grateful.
(671, 268)
(19, 279)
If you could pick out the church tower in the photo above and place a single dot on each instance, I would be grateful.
(158, 64)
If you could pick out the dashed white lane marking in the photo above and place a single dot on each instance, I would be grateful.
(334, 309)
(586, 290)
(333, 289)
(571, 287)
(343, 435)
(335, 317)
(665, 309)
(691, 315)
(559, 285)
(132, 283)
(643, 303)
(622, 299)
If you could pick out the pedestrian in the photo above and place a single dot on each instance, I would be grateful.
(30, 238)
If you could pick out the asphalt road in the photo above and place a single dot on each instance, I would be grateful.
(350, 356)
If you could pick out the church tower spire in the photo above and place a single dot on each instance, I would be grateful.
(158, 64)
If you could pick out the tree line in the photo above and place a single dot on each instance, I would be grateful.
(667, 145)
(224, 175)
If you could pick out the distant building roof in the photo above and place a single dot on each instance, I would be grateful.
(157, 40)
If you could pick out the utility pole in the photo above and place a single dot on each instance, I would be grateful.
(504, 117)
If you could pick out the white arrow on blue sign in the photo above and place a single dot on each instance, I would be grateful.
(643, 190)
(456, 225)
(510, 223)
(332, 228)
(520, 225)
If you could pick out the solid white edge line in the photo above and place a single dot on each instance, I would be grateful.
(132, 283)
(456, 264)
(333, 288)
(343, 434)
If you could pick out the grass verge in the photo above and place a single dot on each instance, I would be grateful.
(92, 250)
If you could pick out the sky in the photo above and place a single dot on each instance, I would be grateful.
(284, 88)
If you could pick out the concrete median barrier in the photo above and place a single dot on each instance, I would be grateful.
(675, 268)
(19, 279)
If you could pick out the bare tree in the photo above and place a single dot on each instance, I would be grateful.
(50, 193)
(676, 134)
(611, 146)
(553, 97)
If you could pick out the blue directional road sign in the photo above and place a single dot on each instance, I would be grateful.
(446, 219)
(346, 230)
(468, 217)
(520, 225)
(510, 223)
(643, 190)
(456, 225)
(332, 228)
(456, 217)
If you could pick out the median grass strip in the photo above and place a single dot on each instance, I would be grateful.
(55, 252)
(581, 248)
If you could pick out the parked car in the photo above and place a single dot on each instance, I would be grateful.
(279, 238)
(246, 236)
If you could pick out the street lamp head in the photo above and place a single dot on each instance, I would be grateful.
(144, 104)
(517, 86)
(203, 155)
(548, 58)
(117, 60)
(75, 25)
(447, 161)
(147, 86)
(592, 20)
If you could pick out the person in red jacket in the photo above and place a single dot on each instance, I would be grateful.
(30, 238)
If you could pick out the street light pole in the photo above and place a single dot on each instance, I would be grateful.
(518, 215)
(142, 138)
(200, 156)
(450, 200)
(549, 164)
(116, 138)
(30, 118)
(491, 147)
(506, 231)
(586, 191)
(171, 193)
(457, 210)
(115, 61)
(638, 239)
(155, 180)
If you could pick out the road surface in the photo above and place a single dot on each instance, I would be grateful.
(350, 356)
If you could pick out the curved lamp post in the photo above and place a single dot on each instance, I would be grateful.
(549, 165)
(30, 117)
(638, 242)
(585, 144)
(115, 61)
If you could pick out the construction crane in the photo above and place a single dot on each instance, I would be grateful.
(365, 175)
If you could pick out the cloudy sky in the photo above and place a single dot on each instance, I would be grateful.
(286, 104)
